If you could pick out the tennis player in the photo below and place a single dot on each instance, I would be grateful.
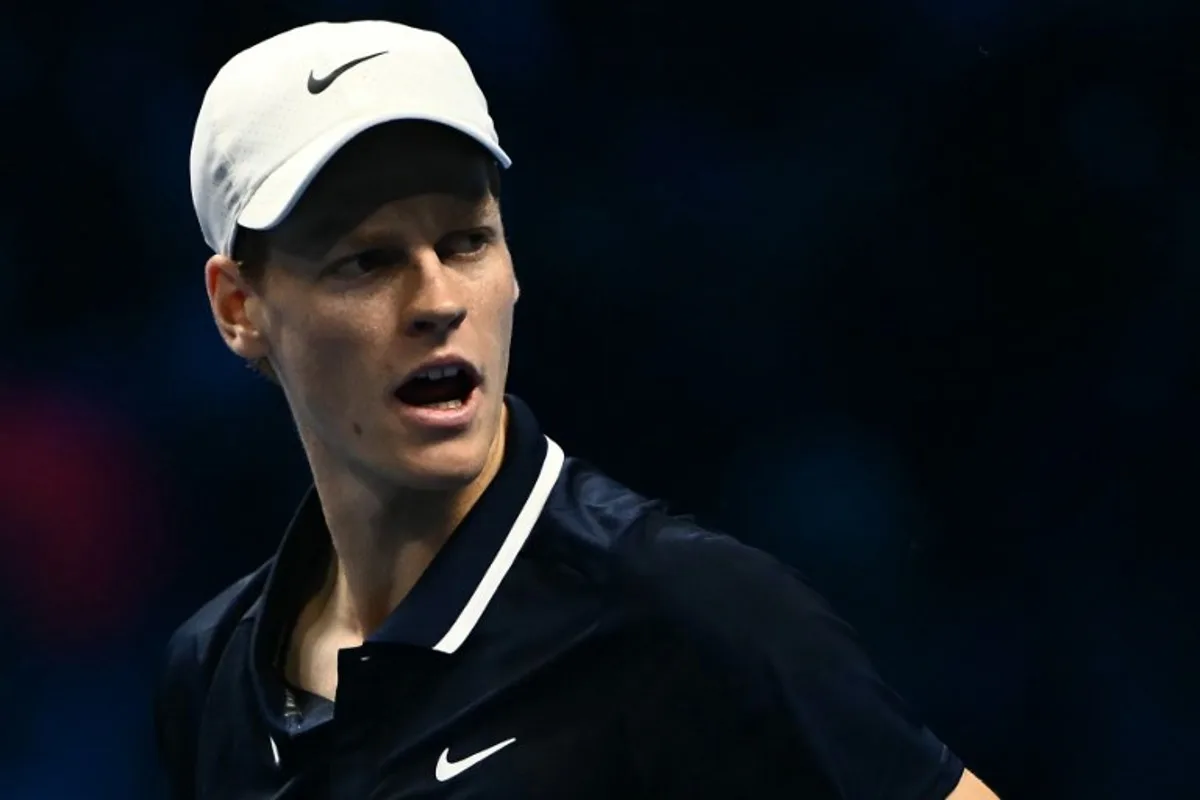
(457, 609)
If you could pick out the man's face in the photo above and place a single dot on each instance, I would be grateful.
(395, 257)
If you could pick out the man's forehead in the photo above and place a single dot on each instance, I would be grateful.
(393, 162)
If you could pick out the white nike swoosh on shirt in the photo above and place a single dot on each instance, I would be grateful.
(447, 769)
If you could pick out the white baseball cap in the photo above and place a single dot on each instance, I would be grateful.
(277, 112)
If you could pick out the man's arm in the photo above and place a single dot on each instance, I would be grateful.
(971, 788)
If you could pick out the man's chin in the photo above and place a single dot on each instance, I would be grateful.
(437, 478)
(444, 466)
(445, 463)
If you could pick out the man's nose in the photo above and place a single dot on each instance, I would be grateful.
(434, 311)
(437, 321)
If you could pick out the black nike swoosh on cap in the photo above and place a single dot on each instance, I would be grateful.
(317, 85)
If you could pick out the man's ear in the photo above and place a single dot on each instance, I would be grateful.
(516, 288)
(236, 308)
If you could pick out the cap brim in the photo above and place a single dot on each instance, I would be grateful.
(278, 194)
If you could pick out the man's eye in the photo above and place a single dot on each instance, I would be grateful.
(366, 262)
(465, 243)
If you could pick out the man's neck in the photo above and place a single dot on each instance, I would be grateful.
(384, 537)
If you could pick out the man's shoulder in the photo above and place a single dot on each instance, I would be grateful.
(197, 644)
(594, 506)
(586, 521)
(669, 567)
(712, 587)
(192, 654)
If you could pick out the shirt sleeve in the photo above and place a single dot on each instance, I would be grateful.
(761, 691)
(191, 656)
(175, 717)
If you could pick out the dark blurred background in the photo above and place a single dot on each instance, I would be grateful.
(902, 291)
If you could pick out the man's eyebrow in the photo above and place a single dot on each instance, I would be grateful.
(317, 232)
(475, 204)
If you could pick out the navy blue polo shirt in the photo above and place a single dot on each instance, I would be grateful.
(571, 640)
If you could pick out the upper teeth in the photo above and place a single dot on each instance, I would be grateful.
(437, 373)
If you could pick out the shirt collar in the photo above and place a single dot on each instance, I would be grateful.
(452, 594)
(447, 602)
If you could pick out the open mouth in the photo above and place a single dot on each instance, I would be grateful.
(445, 387)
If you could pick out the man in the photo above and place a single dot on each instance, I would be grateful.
(458, 610)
